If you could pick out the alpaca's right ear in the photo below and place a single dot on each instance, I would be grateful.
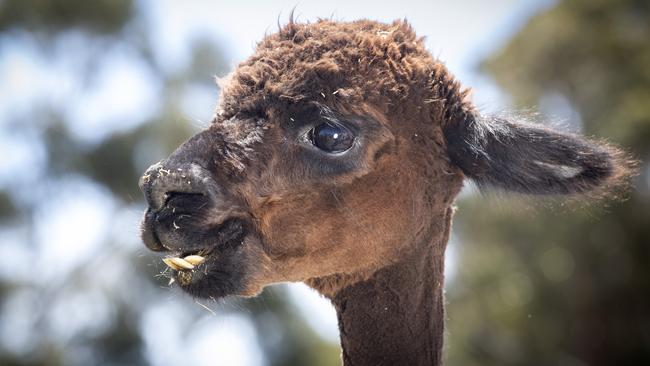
(531, 159)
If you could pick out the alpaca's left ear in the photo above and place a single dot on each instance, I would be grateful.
(531, 159)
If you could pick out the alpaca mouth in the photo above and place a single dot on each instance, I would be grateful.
(226, 236)
(189, 267)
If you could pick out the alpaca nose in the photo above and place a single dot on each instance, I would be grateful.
(162, 181)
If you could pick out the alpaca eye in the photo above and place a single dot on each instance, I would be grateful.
(331, 138)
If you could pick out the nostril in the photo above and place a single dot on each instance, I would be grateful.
(185, 200)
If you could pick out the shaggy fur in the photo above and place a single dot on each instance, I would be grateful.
(366, 227)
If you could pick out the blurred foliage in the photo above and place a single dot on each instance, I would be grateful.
(7, 208)
(97, 16)
(594, 52)
(542, 284)
(208, 57)
(115, 163)
(306, 348)
(111, 162)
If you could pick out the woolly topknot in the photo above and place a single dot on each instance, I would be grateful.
(344, 63)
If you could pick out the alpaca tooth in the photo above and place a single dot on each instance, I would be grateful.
(178, 264)
(171, 264)
(182, 263)
(194, 260)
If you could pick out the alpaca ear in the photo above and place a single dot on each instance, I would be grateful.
(531, 159)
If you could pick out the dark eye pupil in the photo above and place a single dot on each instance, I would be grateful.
(331, 138)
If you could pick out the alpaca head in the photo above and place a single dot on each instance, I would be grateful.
(336, 150)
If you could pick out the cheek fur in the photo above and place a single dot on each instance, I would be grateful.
(334, 230)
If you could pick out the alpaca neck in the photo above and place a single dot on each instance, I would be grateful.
(395, 317)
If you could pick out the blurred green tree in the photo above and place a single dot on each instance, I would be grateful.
(103, 17)
(540, 284)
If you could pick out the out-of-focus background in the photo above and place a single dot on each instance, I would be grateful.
(92, 92)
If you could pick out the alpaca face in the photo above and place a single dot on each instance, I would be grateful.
(335, 150)
(304, 172)
(304, 192)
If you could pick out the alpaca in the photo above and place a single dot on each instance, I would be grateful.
(334, 158)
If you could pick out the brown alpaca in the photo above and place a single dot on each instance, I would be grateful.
(334, 159)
